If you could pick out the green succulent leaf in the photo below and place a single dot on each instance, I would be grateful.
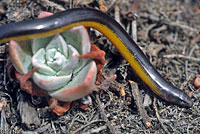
(80, 40)
(40, 43)
(74, 60)
(39, 61)
(59, 44)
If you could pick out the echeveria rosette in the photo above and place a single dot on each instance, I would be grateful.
(61, 73)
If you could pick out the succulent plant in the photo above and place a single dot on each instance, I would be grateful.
(61, 73)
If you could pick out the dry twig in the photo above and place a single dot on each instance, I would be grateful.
(143, 112)
(51, 4)
(186, 82)
(186, 62)
(117, 15)
(108, 123)
(182, 56)
(96, 130)
(158, 116)
(112, 5)
(172, 24)
(89, 123)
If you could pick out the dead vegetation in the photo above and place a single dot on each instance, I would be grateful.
(168, 33)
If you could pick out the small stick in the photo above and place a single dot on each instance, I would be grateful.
(117, 15)
(136, 94)
(158, 116)
(96, 130)
(108, 123)
(186, 82)
(51, 4)
(173, 24)
(134, 9)
(182, 56)
(112, 5)
(186, 62)
(134, 30)
(84, 126)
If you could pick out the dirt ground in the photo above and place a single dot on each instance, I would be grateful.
(166, 31)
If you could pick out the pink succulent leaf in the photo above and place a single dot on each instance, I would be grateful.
(81, 85)
(50, 83)
(44, 14)
(20, 55)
